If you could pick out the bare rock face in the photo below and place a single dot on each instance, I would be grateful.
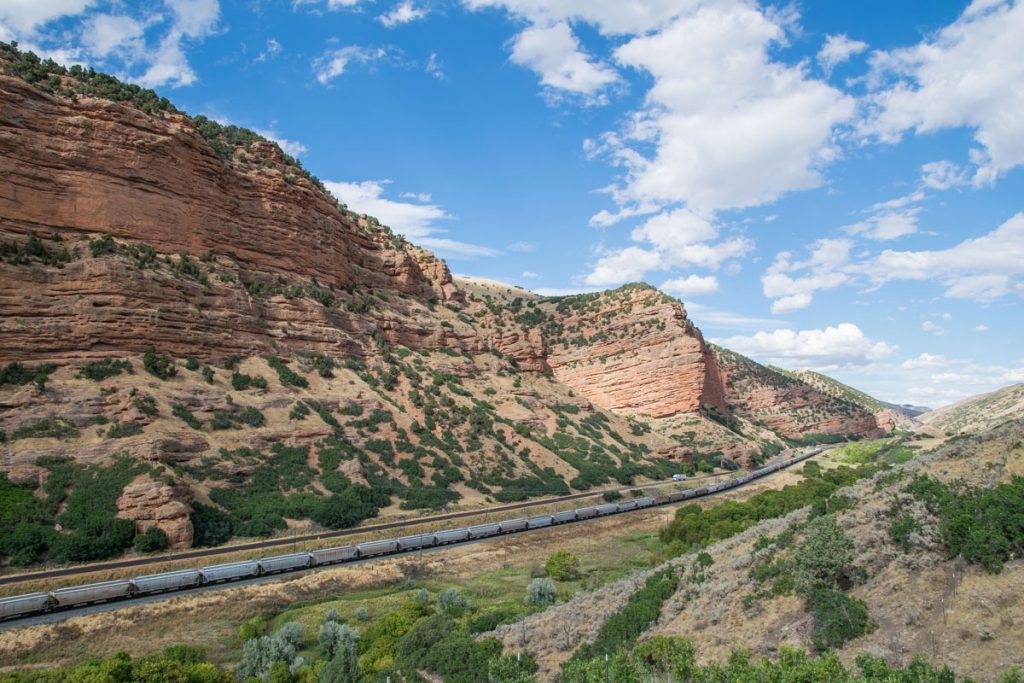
(634, 351)
(156, 504)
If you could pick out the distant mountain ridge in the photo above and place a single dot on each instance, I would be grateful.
(978, 413)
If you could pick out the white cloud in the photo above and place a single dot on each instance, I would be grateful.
(625, 265)
(842, 345)
(981, 268)
(943, 175)
(792, 284)
(418, 196)
(934, 329)
(434, 67)
(272, 50)
(981, 328)
(838, 49)
(612, 17)
(529, 274)
(691, 286)
(331, 4)
(333, 63)
(522, 247)
(403, 13)
(924, 360)
(292, 147)
(418, 222)
(729, 126)
(966, 75)
(713, 318)
(555, 54)
(25, 16)
(887, 225)
(103, 34)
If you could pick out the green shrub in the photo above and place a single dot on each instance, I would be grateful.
(18, 375)
(540, 592)
(452, 601)
(191, 362)
(241, 382)
(901, 528)
(611, 496)
(160, 366)
(232, 361)
(120, 430)
(208, 374)
(57, 428)
(286, 375)
(186, 415)
(563, 566)
(823, 558)
(299, 411)
(145, 405)
(152, 540)
(211, 526)
(102, 245)
(236, 419)
(838, 619)
(103, 369)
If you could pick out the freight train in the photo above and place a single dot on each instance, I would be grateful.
(122, 589)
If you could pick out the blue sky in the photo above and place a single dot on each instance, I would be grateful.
(825, 185)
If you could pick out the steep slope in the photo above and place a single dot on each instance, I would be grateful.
(978, 413)
(185, 295)
(790, 406)
(738, 592)
(885, 413)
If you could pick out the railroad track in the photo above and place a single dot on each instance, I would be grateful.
(54, 605)
(321, 536)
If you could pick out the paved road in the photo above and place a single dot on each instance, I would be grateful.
(323, 535)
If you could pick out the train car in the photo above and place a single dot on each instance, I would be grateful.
(21, 605)
(539, 521)
(168, 581)
(586, 513)
(564, 516)
(627, 506)
(607, 509)
(92, 592)
(283, 563)
(371, 548)
(663, 499)
(702, 491)
(484, 530)
(230, 572)
(677, 496)
(644, 502)
(451, 536)
(509, 525)
(416, 541)
(332, 555)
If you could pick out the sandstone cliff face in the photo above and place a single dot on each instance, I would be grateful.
(789, 407)
(634, 353)
(155, 504)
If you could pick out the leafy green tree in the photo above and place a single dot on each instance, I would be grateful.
(824, 556)
(671, 658)
(158, 365)
(151, 540)
(540, 592)
(563, 566)
(512, 668)
(336, 638)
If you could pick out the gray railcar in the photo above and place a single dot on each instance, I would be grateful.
(23, 604)
(280, 563)
(607, 509)
(329, 555)
(564, 516)
(512, 525)
(451, 536)
(416, 541)
(586, 513)
(93, 592)
(484, 530)
(539, 521)
(627, 506)
(167, 581)
(371, 548)
(231, 571)
(645, 502)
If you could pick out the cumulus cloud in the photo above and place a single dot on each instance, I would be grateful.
(966, 75)
(982, 268)
(932, 328)
(887, 225)
(943, 175)
(838, 49)
(555, 54)
(403, 13)
(333, 63)
(833, 347)
(623, 265)
(691, 286)
(292, 147)
(792, 283)
(103, 34)
(419, 222)
(23, 17)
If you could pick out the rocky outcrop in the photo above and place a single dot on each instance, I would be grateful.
(634, 351)
(157, 504)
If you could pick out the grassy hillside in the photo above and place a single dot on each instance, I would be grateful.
(978, 413)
